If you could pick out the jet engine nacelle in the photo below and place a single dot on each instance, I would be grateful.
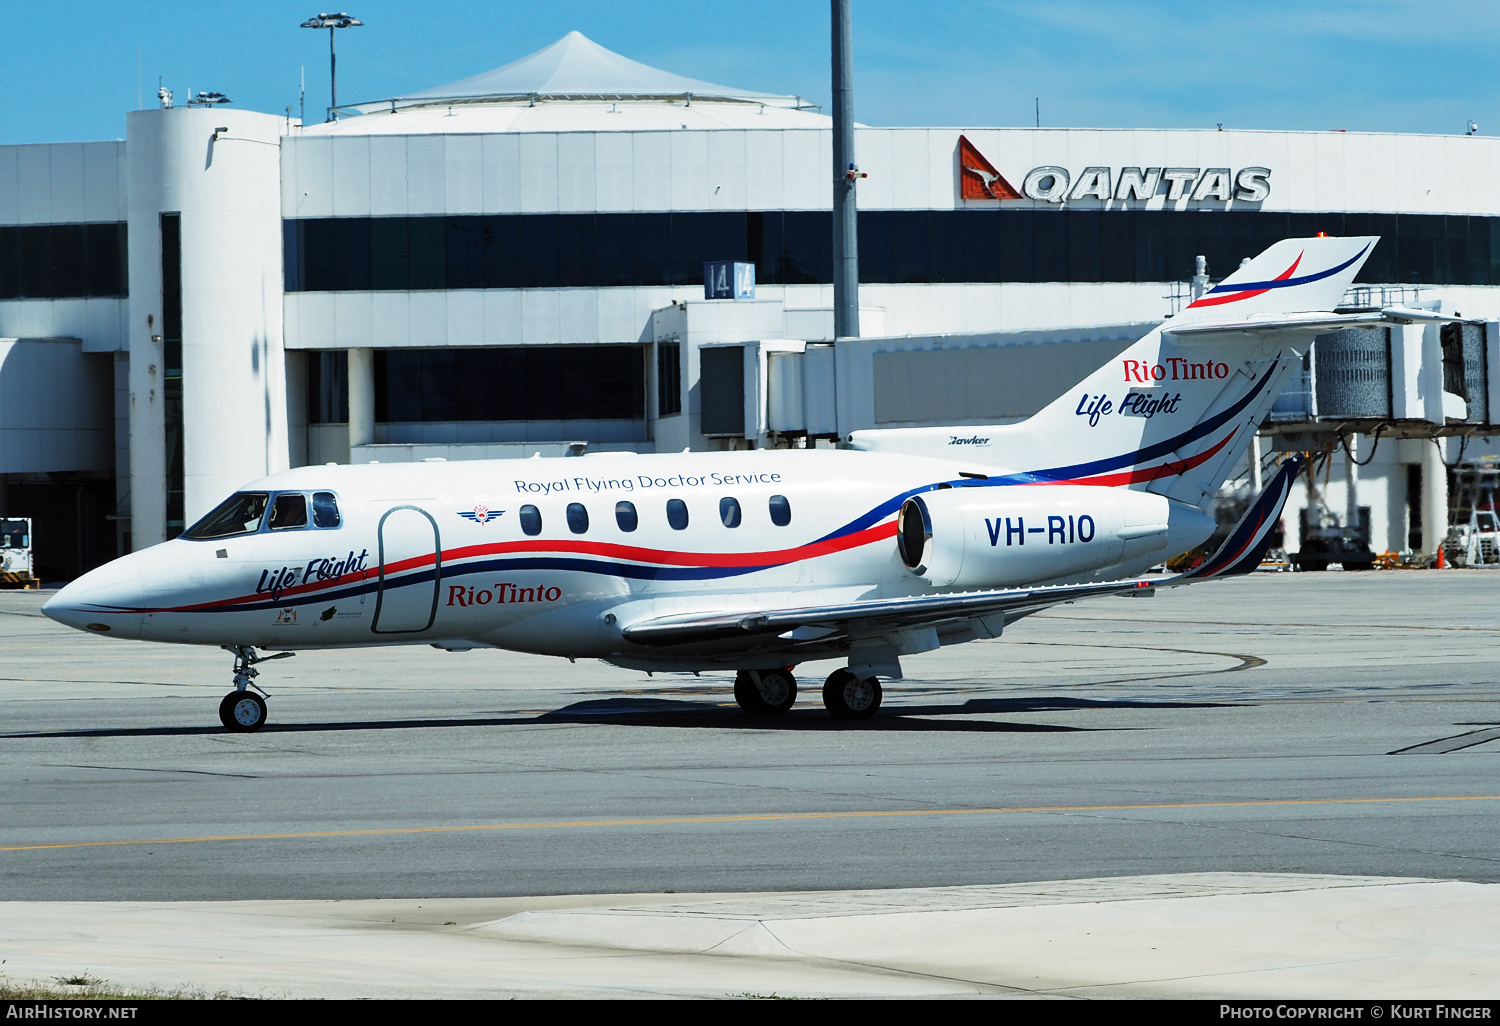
(993, 537)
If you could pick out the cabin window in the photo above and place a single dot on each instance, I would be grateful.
(677, 515)
(289, 510)
(325, 510)
(239, 514)
(531, 520)
(578, 518)
(781, 511)
(626, 517)
(729, 511)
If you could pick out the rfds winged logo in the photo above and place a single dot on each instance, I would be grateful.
(481, 514)
(978, 178)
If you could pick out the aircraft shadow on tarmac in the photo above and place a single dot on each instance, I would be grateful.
(660, 712)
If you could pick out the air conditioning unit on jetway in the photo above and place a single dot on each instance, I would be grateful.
(1416, 380)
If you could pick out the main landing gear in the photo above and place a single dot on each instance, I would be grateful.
(848, 697)
(765, 692)
(771, 692)
(242, 710)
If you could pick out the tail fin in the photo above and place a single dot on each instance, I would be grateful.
(1246, 545)
(1293, 276)
(1172, 414)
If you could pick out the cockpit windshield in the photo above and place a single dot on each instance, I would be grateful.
(241, 513)
(289, 510)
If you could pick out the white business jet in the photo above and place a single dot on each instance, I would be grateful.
(759, 561)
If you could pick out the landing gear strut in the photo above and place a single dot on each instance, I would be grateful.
(848, 697)
(765, 692)
(242, 710)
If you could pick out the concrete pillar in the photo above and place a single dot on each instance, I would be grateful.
(1434, 497)
(220, 170)
(361, 398)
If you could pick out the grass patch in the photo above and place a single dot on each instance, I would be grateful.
(87, 987)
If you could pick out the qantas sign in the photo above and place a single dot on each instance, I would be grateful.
(1050, 183)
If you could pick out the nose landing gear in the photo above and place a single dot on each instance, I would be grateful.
(242, 710)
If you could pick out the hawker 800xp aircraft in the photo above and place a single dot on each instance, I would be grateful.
(759, 561)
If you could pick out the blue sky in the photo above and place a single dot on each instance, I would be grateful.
(1379, 65)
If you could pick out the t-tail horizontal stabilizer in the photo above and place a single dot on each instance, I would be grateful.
(1246, 545)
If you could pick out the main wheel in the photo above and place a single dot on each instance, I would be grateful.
(242, 711)
(773, 693)
(848, 697)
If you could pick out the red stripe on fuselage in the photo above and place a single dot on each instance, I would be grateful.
(606, 550)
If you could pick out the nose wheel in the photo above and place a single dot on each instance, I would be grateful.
(242, 710)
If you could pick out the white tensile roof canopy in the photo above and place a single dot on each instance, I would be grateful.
(574, 67)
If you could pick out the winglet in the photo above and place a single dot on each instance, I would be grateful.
(1246, 545)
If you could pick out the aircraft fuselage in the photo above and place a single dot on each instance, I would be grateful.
(558, 556)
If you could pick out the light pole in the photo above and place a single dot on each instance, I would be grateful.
(845, 176)
(331, 22)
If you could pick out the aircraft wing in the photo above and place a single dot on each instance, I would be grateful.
(1311, 323)
(987, 611)
(869, 618)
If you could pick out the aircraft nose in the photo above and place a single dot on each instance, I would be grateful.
(106, 600)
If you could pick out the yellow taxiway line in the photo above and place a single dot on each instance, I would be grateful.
(762, 817)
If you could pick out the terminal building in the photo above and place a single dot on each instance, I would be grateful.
(515, 263)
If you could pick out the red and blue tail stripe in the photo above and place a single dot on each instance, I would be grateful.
(1226, 292)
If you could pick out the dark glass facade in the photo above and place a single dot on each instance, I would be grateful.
(508, 251)
(328, 387)
(513, 383)
(171, 330)
(63, 261)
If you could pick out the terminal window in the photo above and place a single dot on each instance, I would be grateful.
(534, 383)
(668, 378)
(63, 261)
(509, 251)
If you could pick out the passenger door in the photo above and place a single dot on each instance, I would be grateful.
(411, 570)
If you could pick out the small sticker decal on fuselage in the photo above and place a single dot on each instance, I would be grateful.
(481, 514)
(286, 616)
